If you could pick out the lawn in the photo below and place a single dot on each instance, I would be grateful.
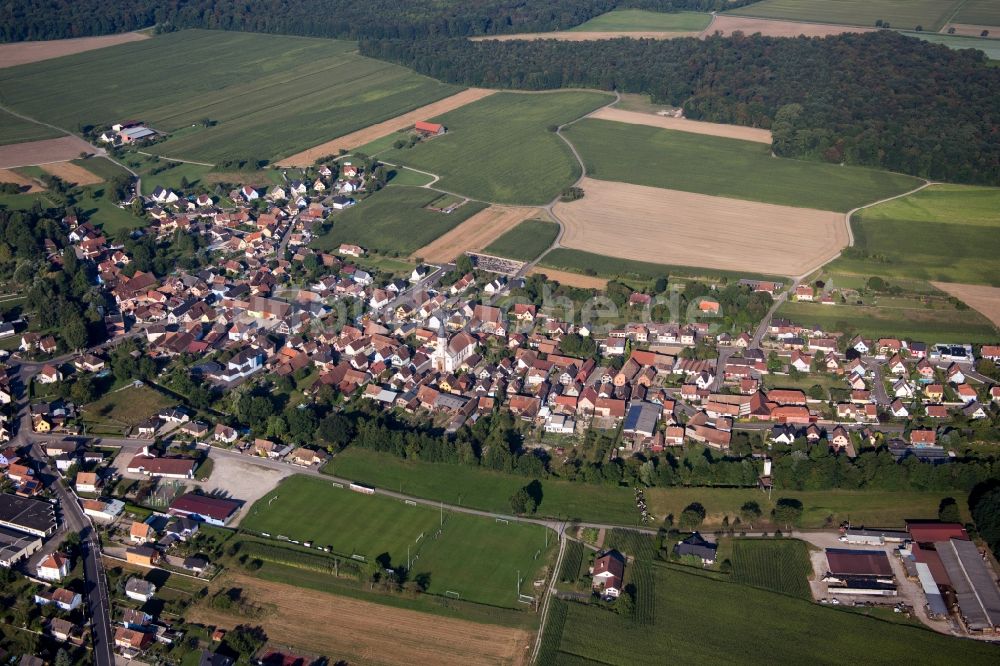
(902, 14)
(779, 565)
(637, 20)
(913, 322)
(725, 167)
(267, 96)
(394, 220)
(579, 261)
(126, 407)
(699, 620)
(16, 130)
(99, 209)
(476, 557)
(525, 241)
(944, 232)
(500, 149)
(991, 47)
(979, 12)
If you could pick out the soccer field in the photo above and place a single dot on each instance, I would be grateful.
(476, 558)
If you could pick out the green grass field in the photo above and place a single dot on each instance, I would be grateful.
(500, 149)
(270, 96)
(579, 261)
(171, 176)
(101, 167)
(525, 241)
(402, 176)
(127, 407)
(779, 565)
(991, 47)
(978, 12)
(910, 321)
(476, 557)
(16, 130)
(725, 167)
(944, 232)
(699, 620)
(903, 14)
(394, 220)
(637, 20)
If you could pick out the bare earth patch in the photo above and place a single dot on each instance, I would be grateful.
(979, 297)
(727, 25)
(72, 173)
(8, 176)
(587, 36)
(32, 153)
(670, 227)
(968, 30)
(377, 131)
(364, 632)
(684, 125)
(476, 233)
(20, 53)
(570, 279)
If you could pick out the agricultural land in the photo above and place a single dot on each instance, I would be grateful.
(22, 53)
(629, 20)
(928, 14)
(684, 125)
(15, 130)
(727, 24)
(526, 241)
(476, 232)
(779, 565)
(978, 12)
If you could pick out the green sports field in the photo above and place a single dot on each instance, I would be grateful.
(637, 20)
(16, 130)
(499, 149)
(269, 96)
(978, 12)
(394, 220)
(478, 558)
(944, 232)
(725, 167)
(525, 241)
(903, 14)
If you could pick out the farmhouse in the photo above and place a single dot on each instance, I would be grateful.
(859, 572)
(429, 129)
(608, 573)
(696, 546)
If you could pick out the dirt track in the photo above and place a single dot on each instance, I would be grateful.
(476, 233)
(363, 632)
(671, 227)
(377, 131)
(727, 25)
(72, 173)
(8, 176)
(981, 298)
(587, 36)
(20, 53)
(570, 279)
(684, 125)
(43, 152)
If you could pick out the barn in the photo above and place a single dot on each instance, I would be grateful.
(429, 129)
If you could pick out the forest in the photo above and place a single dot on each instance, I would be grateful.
(22, 20)
(877, 99)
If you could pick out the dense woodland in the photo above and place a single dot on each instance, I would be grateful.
(878, 99)
(407, 19)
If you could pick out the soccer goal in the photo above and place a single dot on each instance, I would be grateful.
(525, 599)
(503, 520)
(411, 503)
(452, 594)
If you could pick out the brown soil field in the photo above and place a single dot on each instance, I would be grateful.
(670, 227)
(364, 632)
(684, 125)
(981, 298)
(31, 153)
(570, 279)
(8, 176)
(968, 30)
(476, 233)
(727, 25)
(586, 36)
(71, 173)
(20, 53)
(377, 131)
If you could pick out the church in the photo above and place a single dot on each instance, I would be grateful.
(450, 354)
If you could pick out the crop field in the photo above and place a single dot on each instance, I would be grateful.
(395, 220)
(17, 130)
(20, 53)
(28, 185)
(989, 46)
(779, 565)
(476, 232)
(612, 267)
(404, 176)
(683, 124)
(985, 300)
(654, 224)
(627, 20)
(265, 96)
(500, 149)
(901, 14)
(570, 279)
(475, 557)
(29, 153)
(101, 167)
(72, 173)
(944, 232)
(979, 12)
(525, 241)
(727, 24)
(725, 167)
(726, 622)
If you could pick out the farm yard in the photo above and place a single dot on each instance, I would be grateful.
(779, 565)
(476, 232)
(905, 14)
(21, 53)
(477, 558)
(684, 125)
(395, 220)
(526, 241)
(653, 224)
(725, 167)
(263, 96)
(500, 149)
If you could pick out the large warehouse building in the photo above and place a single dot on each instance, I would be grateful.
(27, 515)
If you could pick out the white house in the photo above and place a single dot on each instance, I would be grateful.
(55, 567)
(60, 598)
(139, 589)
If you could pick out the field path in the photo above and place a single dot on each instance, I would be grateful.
(174, 159)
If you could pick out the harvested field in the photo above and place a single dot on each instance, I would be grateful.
(364, 632)
(672, 227)
(965, 29)
(728, 24)
(31, 153)
(475, 233)
(570, 279)
(72, 173)
(369, 134)
(568, 36)
(684, 125)
(20, 53)
(8, 176)
(985, 300)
